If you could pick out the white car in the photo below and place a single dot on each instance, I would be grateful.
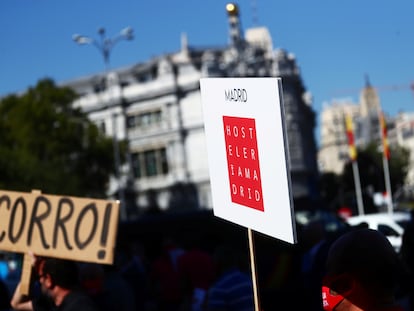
(391, 225)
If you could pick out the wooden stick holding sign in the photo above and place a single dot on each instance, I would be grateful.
(80, 229)
(26, 273)
(253, 270)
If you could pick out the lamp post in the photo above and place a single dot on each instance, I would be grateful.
(105, 46)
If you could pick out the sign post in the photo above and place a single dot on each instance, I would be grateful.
(253, 270)
(248, 156)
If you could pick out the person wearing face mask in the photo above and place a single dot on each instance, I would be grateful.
(363, 273)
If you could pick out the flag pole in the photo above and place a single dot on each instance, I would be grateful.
(353, 157)
(385, 159)
(387, 184)
(358, 188)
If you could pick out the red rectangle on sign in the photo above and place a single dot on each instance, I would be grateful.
(243, 161)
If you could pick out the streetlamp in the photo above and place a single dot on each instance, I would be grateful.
(105, 46)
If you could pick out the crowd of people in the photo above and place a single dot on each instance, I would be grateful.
(352, 269)
(178, 279)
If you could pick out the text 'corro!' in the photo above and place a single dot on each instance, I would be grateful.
(74, 228)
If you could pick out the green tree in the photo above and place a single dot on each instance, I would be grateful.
(48, 145)
(330, 187)
(371, 171)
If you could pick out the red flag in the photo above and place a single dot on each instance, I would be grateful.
(350, 135)
(384, 137)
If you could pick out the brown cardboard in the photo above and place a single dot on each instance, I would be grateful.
(81, 229)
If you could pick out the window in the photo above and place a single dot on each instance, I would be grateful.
(387, 230)
(144, 119)
(343, 155)
(407, 132)
(136, 166)
(147, 76)
(102, 127)
(150, 163)
(150, 159)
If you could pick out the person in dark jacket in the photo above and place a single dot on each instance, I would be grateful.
(59, 288)
(363, 272)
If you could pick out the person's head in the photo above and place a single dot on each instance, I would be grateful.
(54, 272)
(362, 269)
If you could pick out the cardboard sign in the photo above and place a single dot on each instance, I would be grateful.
(248, 154)
(74, 228)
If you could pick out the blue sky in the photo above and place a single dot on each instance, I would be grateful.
(336, 43)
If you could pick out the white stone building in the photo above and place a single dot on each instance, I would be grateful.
(402, 134)
(156, 106)
(334, 150)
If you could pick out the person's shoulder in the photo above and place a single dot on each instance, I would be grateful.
(42, 303)
(78, 301)
(232, 276)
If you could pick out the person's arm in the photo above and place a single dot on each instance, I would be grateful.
(20, 302)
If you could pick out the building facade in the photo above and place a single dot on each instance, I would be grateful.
(401, 133)
(333, 152)
(156, 107)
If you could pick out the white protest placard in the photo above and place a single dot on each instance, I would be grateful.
(248, 154)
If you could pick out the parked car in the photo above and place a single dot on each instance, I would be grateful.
(391, 225)
(331, 222)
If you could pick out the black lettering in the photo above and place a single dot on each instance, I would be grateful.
(237, 95)
(105, 230)
(91, 207)
(227, 95)
(37, 220)
(105, 226)
(6, 199)
(61, 220)
(19, 202)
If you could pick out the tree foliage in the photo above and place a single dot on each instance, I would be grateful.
(329, 185)
(339, 190)
(371, 168)
(48, 145)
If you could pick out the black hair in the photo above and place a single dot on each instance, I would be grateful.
(63, 273)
